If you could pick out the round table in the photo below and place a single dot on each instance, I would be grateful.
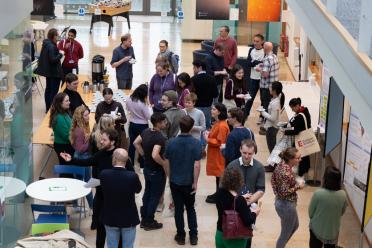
(57, 189)
(11, 186)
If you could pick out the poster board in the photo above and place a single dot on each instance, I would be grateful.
(367, 218)
(212, 10)
(264, 11)
(357, 163)
(326, 77)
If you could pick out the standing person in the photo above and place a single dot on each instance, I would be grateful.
(79, 138)
(139, 116)
(50, 67)
(168, 55)
(196, 114)
(122, 60)
(173, 114)
(205, 89)
(116, 110)
(100, 161)
(285, 186)
(215, 67)
(237, 135)
(297, 122)
(228, 198)
(184, 88)
(151, 145)
(255, 57)
(272, 115)
(60, 122)
(236, 88)
(106, 121)
(216, 139)
(184, 154)
(120, 215)
(269, 69)
(162, 81)
(326, 208)
(230, 45)
(72, 84)
(73, 52)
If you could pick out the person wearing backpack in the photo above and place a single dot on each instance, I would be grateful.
(172, 58)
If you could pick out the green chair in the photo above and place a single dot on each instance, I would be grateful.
(48, 228)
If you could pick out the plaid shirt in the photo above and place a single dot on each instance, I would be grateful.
(270, 65)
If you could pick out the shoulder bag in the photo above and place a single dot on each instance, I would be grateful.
(306, 142)
(229, 103)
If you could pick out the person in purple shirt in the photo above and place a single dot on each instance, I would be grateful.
(162, 81)
(139, 115)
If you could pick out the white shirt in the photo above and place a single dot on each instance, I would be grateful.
(256, 55)
(242, 164)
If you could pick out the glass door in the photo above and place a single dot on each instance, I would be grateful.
(154, 7)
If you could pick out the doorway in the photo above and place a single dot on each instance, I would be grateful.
(154, 7)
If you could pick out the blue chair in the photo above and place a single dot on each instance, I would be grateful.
(8, 168)
(51, 213)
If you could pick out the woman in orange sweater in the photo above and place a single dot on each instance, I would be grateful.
(216, 139)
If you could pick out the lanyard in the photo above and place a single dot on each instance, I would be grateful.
(71, 47)
(163, 83)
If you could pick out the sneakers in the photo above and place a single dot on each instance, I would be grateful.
(193, 239)
(211, 199)
(180, 239)
(153, 225)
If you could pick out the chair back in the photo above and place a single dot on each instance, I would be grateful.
(77, 171)
(47, 228)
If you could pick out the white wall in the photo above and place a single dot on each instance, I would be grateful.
(12, 13)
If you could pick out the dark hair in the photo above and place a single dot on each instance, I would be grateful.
(70, 77)
(294, 102)
(107, 91)
(157, 117)
(125, 37)
(73, 31)
(288, 154)
(249, 143)
(184, 77)
(238, 83)
(222, 109)
(278, 87)
(260, 36)
(219, 47)
(140, 93)
(112, 134)
(232, 179)
(56, 108)
(198, 63)
(52, 33)
(332, 178)
(227, 28)
(236, 113)
(164, 42)
(186, 123)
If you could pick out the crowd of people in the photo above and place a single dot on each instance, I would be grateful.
(191, 117)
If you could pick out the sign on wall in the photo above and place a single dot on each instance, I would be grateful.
(264, 11)
(212, 9)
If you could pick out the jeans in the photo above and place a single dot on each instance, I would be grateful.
(288, 220)
(265, 97)
(135, 130)
(253, 87)
(271, 138)
(154, 188)
(182, 198)
(316, 243)
(87, 176)
(128, 236)
(208, 116)
(51, 89)
(124, 84)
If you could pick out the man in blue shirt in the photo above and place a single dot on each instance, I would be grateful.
(122, 60)
(184, 155)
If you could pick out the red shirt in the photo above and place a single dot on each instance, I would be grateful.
(73, 52)
(230, 52)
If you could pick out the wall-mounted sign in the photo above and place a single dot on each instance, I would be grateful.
(263, 11)
(212, 9)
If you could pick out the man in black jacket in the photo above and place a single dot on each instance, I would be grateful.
(205, 88)
(50, 67)
(72, 83)
(120, 215)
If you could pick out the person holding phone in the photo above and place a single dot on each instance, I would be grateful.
(184, 154)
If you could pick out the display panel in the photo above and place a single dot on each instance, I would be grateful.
(264, 11)
(212, 9)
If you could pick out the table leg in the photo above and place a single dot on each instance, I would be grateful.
(46, 162)
(91, 23)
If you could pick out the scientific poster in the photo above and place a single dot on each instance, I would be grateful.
(212, 9)
(368, 212)
(264, 11)
(358, 159)
(326, 76)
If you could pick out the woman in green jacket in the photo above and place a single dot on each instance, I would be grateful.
(60, 122)
(327, 206)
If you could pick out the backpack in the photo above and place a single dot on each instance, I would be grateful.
(177, 58)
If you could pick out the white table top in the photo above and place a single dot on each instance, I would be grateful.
(57, 189)
(11, 186)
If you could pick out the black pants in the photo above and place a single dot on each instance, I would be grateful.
(265, 97)
(304, 166)
(253, 87)
(182, 198)
(271, 138)
(135, 130)
(51, 89)
(67, 70)
(316, 243)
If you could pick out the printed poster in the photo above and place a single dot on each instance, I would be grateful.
(212, 9)
(368, 212)
(264, 10)
(326, 77)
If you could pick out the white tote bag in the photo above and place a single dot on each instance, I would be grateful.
(229, 103)
(306, 141)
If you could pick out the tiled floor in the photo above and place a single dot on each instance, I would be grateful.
(146, 32)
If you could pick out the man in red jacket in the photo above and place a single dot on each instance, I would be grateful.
(230, 45)
(73, 52)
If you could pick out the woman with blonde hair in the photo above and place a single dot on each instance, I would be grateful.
(106, 121)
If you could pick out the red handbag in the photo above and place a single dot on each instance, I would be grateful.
(233, 226)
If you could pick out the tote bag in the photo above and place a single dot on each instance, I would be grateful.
(306, 141)
(229, 103)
